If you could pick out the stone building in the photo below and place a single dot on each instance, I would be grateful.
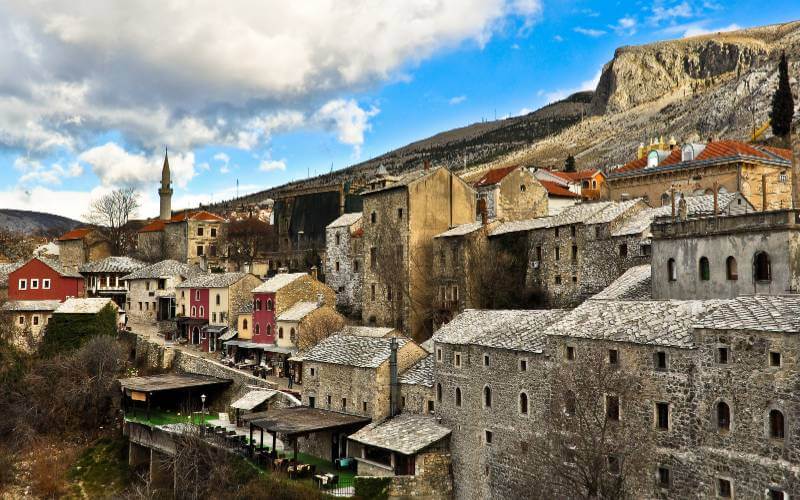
(344, 262)
(151, 290)
(723, 257)
(587, 184)
(192, 237)
(511, 193)
(416, 388)
(305, 324)
(82, 245)
(759, 172)
(490, 389)
(103, 278)
(401, 217)
(29, 319)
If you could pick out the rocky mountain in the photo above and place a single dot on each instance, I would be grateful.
(35, 222)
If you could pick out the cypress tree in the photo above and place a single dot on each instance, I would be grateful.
(782, 102)
(569, 164)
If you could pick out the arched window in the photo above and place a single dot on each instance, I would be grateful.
(705, 269)
(438, 393)
(244, 325)
(257, 329)
(762, 267)
(269, 329)
(458, 396)
(672, 271)
(569, 403)
(776, 424)
(258, 304)
(291, 334)
(723, 416)
(523, 403)
(218, 299)
(487, 397)
(731, 269)
(269, 304)
(202, 311)
(194, 311)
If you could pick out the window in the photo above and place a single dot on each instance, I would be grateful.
(389, 292)
(662, 476)
(572, 231)
(775, 359)
(672, 271)
(202, 311)
(313, 372)
(280, 332)
(439, 354)
(458, 396)
(613, 465)
(22, 320)
(214, 317)
(46, 284)
(523, 365)
(35, 320)
(291, 334)
(344, 404)
(34, 284)
(558, 253)
(776, 424)
(558, 280)
(336, 237)
(723, 354)
(487, 437)
(723, 417)
(213, 232)
(438, 393)
(623, 250)
(776, 494)
(612, 408)
(373, 217)
(597, 231)
(197, 295)
(364, 405)
(574, 253)
(399, 214)
(162, 284)
(705, 269)
(336, 266)
(328, 400)
(218, 300)
(539, 253)
(613, 357)
(23, 284)
(556, 231)
(762, 269)
(194, 310)
(457, 360)
(200, 250)
(487, 397)
(373, 258)
(485, 360)
(269, 304)
(355, 266)
(257, 329)
(258, 305)
(244, 324)
(522, 188)
(372, 292)
(660, 360)
(200, 231)
(662, 416)
(731, 271)
(523, 403)
(570, 353)
(430, 406)
(723, 488)
(312, 401)
(782, 176)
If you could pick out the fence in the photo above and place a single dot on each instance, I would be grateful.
(344, 487)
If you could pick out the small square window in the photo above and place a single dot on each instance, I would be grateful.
(46, 284)
(660, 360)
(613, 357)
(558, 280)
(213, 232)
(487, 437)
(775, 359)
(485, 360)
(574, 279)
(724, 488)
(523, 365)
(663, 477)
(723, 355)
(34, 284)
(570, 353)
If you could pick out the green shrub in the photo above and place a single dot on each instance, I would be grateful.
(372, 488)
(66, 332)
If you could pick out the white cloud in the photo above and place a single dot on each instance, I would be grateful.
(594, 33)
(661, 13)
(34, 172)
(70, 204)
(209, 72)
(270, 165)
(115, 166)
(691, 31)
(457, 100)
(557, 95)
(558, 38)
(626, 26)
(348, 119)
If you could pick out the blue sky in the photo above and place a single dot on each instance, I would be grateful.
(266, 92)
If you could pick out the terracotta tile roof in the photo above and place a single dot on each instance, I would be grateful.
(196, 215)
(725, 149)
(577, 176)
(554, 189)
(673, 158)
(494, 176)
(75, 234)
(155, 226)
(785, 154)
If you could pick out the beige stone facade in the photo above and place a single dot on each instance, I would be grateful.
(81, 246)
(512, 193)
(308, 330)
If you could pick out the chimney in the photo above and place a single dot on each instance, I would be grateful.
(672, 201)
(313, 272)
(763, 192)
(716, 200)
(394, 385)
(483, 211)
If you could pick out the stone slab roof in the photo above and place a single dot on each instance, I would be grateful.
(766, 313)
(165, 269)
(31, 305)
(277, 282)
(368, 331)
(253, 399)
(427, 345)
(345, 220)
(113, 265)
(6, 269)
(611, 212)
(653, 322)
(169, 382)
(405, 433)
(353, 350)
(521, 226)
(634, 284)
(420, 373)
(56, 266)
(519, 330)
(83, 306)
(298, 311)
(461, 230)
(218, 280)
(405, 180)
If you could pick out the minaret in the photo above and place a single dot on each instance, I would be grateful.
(165, 193)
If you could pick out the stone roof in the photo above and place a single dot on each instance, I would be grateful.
(298, 311)
(83, 306)
(6, 269)
(519, 330)
(31, 305)
(218, 280)
(113, 265)
(56, 266)
(247, 307)
(165, 269)
(353, 350)
(634, 284)
(427, 345)
(521, 226)
(368, 331)
(654, 322)
(766, 313)
(405, 433)
(345, 220)
(611, 212)
(253, 398)
(277, 282)
(461, 230)
(581, 212)
(421, 373)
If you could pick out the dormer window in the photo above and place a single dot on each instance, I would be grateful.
(687, 153)
(652, 159)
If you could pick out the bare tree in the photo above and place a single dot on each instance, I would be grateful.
(111, 213)
(321, 324)
(594, 442)
(248, 239)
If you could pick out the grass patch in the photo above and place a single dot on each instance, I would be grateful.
(163, 417)
(101, 471)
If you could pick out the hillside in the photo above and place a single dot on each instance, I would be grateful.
(35, 222)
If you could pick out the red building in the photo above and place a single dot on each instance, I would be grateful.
(278, 294)
(44, 279)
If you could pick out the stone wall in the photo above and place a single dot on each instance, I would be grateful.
(433, 479)
(72, 254)
(357, 385)
(521, 196)
(349, 254)
(416, 398)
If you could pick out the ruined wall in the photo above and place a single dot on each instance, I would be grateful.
(347, 281)
(521, 196)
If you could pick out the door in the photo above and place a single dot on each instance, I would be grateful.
(335, 446)
(195, 335)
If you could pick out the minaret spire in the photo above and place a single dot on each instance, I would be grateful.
(165, 193)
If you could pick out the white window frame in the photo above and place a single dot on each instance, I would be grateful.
(34, 283)
(45, 283)
(22, 284)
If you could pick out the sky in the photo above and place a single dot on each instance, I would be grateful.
(262, 92)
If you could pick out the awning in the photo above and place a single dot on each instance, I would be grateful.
(232, 333)
(299, 420)
(264, 347)
(252, 399)
(170, 381)
(215, 329)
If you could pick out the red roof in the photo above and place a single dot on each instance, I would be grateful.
(554, 189)
(577, 176)
(75, 234)
(725, 149)
(196, 215)
(494, 176)
(156, 225)
(786, 154)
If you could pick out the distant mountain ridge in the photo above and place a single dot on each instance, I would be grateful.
(29, 222)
